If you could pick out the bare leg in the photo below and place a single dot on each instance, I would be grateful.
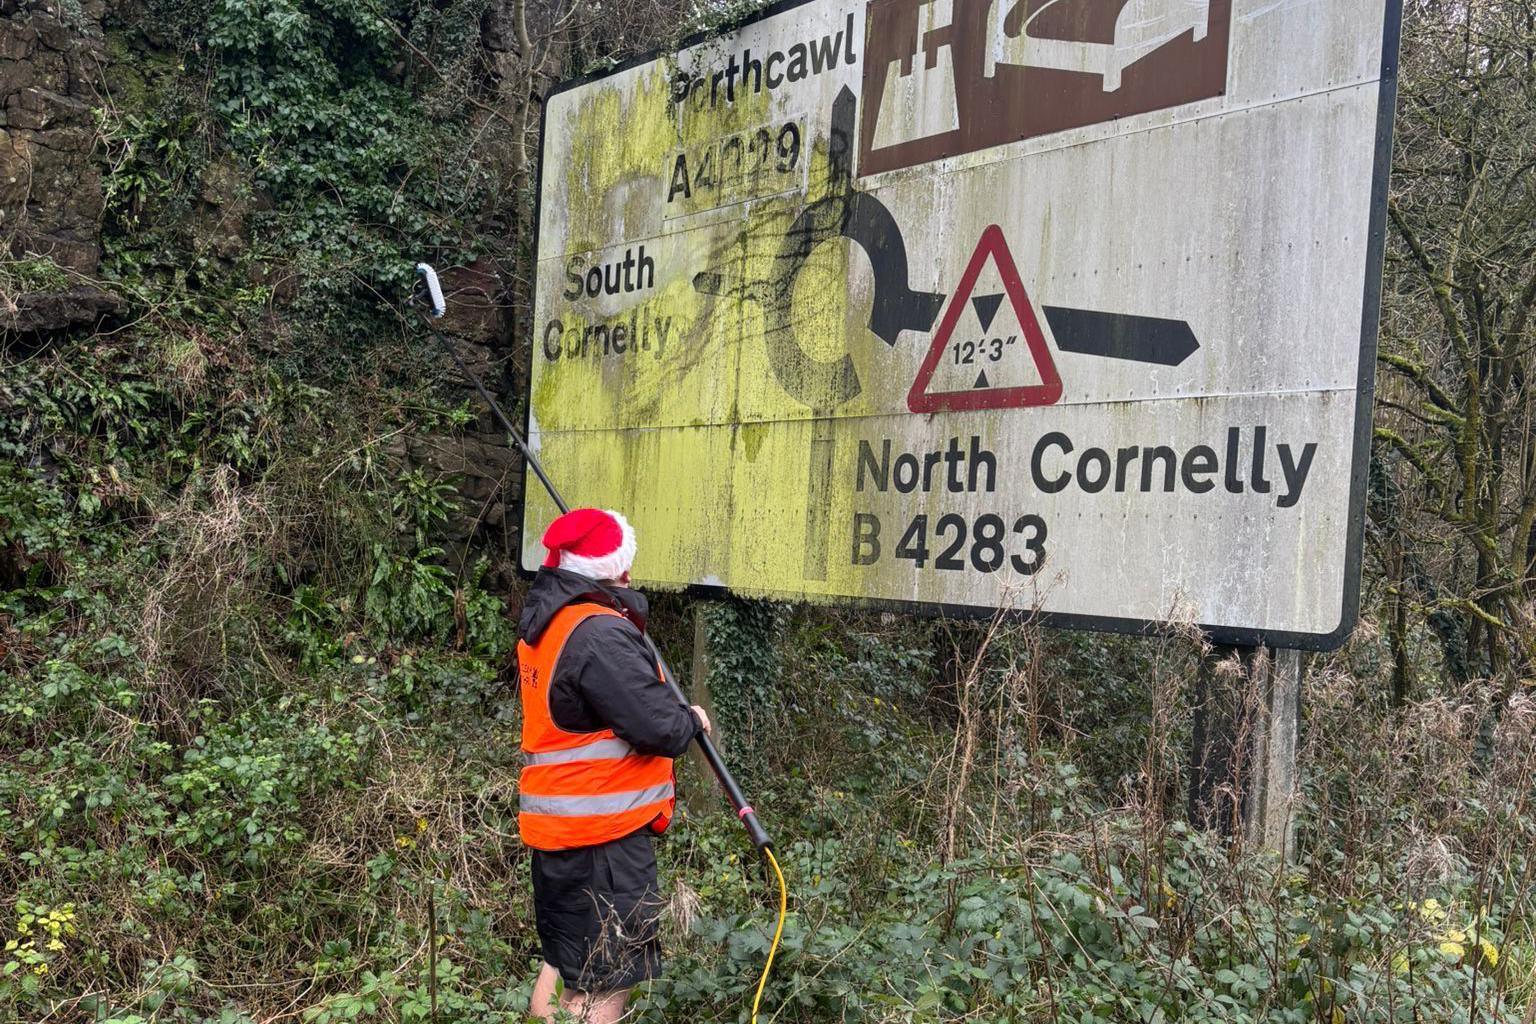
(542, 1005)
(595, 1007)
(587, 1007)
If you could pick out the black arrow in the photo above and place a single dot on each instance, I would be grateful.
(981, 380)
(1144, 339)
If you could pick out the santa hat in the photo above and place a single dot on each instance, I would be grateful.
(591, 541)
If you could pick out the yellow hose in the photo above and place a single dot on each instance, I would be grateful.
(778, 932)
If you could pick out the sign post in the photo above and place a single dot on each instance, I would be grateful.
(1244, 777)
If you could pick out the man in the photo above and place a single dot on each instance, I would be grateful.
(600, 730)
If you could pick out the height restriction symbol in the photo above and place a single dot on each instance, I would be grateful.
(989, 345)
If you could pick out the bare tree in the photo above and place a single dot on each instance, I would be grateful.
(1454, 482)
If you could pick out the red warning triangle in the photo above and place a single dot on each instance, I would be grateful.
(1047, 392)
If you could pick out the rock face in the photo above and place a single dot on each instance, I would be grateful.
(480, 462)
(487, 474)
(37, 312)
(51, 56)
(55, 69)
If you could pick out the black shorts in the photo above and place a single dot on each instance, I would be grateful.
(597, 909)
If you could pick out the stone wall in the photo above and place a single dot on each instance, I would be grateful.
(51, 61)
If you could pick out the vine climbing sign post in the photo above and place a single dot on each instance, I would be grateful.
(961, 305)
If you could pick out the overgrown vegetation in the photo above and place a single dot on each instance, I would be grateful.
(257, 740)
(1455, 502)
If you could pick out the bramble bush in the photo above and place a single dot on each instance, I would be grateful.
(257, 745)
(251, 763)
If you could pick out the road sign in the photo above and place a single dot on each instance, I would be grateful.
(968, 304)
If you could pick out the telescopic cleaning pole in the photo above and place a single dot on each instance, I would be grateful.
(429, 288)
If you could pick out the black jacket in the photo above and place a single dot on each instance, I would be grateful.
(605, 678)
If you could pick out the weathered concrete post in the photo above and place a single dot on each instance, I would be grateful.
(1269, 812)
(1244, 778)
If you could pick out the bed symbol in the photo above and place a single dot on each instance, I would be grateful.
(1053, 36)
(947, 77)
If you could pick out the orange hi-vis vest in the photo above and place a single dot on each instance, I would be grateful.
(580, 788)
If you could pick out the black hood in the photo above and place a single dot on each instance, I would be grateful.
(553, 589)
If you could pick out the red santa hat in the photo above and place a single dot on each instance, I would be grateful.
(591, 541)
